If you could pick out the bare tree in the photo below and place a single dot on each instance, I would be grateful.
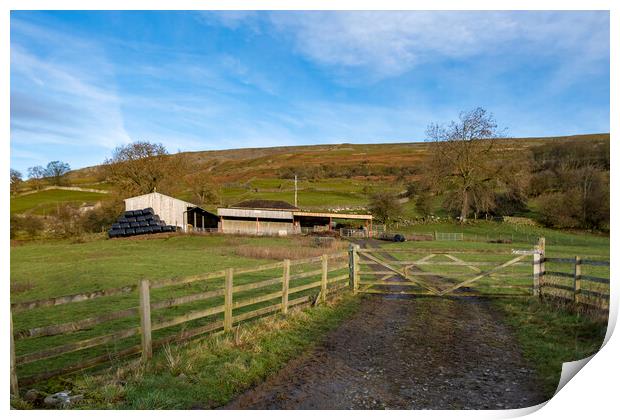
(141, 168)
(16, 180)
(56, 171)
(461, 163)
(36, 175)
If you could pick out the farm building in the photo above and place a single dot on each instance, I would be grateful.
(270, 217)
(173, 211)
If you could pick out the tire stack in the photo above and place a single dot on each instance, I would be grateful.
(138, 222)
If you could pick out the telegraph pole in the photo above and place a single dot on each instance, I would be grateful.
(295, 190)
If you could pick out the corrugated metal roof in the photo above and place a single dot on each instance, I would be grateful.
(265, 204)
(334, 215)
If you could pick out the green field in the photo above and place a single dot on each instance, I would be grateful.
(51, 269)
(47, 202)
(43, 269)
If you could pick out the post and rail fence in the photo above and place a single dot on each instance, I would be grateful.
(241, 296)
(292, 290)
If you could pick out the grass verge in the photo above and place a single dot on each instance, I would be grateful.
(552, 333)
(209, 372)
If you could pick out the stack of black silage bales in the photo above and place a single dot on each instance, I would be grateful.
(138, 222)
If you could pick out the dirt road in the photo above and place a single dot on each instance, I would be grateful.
(424, 353)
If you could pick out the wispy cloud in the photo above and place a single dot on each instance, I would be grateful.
(66, 95)
(390, 43)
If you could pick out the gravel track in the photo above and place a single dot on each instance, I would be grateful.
(399, 352)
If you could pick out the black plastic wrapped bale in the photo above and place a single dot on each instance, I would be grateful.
(125, 225)
(134, 224)
(130, 219)
(153, 223)
(115, 233)
(129, 213)
(147, 211)
(116, 226)
(130, 231)
(144, 223)
(137, 213)
(156, 229)
(140, 219)
(155, 217)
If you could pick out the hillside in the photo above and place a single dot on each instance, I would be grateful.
(333, 176)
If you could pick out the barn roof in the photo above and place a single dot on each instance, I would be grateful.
(265, 204)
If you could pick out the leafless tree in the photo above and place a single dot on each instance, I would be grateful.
(56, 171)
(16, 180)
(461, 162)
(36, 174)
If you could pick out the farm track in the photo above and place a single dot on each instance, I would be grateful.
(396, 353)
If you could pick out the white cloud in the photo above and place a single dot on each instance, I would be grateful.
(390, 43)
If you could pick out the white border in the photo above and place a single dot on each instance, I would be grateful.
(591, 394)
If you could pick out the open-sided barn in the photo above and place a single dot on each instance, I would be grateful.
(270, 217)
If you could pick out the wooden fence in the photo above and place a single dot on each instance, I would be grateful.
(580, 288)
(232, 311)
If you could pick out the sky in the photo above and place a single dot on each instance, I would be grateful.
(83, 83)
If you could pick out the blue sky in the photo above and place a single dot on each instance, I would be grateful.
(83, 83)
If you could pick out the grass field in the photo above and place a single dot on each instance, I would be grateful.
(51, 269)
(43, 269)
(551, 334)
(46, 202)
(209, 371)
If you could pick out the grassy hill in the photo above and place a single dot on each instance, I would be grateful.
(265, 173)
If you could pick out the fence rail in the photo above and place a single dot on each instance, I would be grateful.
(234, 298)
(575, 291)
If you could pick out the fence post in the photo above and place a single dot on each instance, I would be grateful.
(14, 385)
(145, 320)
(228, 299)
(351, 265)
(324, 278)
(536, 276)
(356, 268)
(286, 277)
(577, 279)
(541, 247)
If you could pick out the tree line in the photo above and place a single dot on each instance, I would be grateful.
(53, 174)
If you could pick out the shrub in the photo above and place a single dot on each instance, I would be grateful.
(32, 226)
(102, 217)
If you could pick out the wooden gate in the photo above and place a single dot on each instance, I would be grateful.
(444, 272)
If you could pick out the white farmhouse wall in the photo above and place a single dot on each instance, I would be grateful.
(169, 209)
